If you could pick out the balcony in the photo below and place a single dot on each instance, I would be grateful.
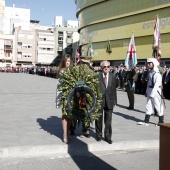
(69, 41)
(45, 42)
(60, 49)
(26, 59)
(24, 50)
(5, 57)
(45, 52)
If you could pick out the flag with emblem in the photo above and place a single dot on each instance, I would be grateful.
(131, 56)
(90, 51)
(156, 39)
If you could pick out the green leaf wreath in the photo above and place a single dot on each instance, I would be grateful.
(68, 79)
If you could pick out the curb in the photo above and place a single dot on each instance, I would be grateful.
(76, 149)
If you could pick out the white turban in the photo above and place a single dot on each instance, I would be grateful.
(155, 63)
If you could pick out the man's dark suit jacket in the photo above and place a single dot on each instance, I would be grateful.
(109, 95)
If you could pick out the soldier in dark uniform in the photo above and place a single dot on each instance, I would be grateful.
(129, 85)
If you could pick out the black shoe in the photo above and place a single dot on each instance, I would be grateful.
(129, 108)
(86, 135)
(72, 133)
(98, 138)
(109, 141)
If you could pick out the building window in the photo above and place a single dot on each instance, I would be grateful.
(19, 44)
(21, 35)
(30, 36)
(26, 55)
(19, 54)
(27, 45)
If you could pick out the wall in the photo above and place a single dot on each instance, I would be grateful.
(116, 19)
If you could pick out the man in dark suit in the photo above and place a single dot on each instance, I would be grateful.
(109, 100)
(121, 76)
(129, 83)
(165, 82)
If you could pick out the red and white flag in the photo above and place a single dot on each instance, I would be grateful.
(156, 39)
(131, 56)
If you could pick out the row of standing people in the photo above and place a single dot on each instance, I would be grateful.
(154, 79)
(141, 78)
(107, 83)
(109, 98)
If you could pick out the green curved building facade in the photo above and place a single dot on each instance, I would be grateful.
(115, 20)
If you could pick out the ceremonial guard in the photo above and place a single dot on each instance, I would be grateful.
(154, 92)
(129, 85)
(130, 63)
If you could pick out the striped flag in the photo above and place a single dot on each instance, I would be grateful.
(131, 57)
(156, 39)
(90, 51)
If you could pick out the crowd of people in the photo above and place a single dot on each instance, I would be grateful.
(151, 81)
(48, 71)
(141, 78)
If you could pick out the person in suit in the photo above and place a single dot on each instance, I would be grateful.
(121, 77)
(165, 82)
(138, 82)
(129, 84)
(109, 100)
(144, 79)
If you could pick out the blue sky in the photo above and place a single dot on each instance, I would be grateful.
(46, 10)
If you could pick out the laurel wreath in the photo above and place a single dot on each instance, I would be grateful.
(68, 79)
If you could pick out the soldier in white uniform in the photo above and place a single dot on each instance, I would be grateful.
(153, 92)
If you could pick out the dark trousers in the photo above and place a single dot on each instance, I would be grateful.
(165, 90)
(130, 95)
(85, 129)
(107, 121)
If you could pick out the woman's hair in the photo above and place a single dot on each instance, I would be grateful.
(64, 60)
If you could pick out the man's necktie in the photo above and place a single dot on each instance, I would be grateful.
(105, 79)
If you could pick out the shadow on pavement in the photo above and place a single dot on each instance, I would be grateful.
(127, 117)
(131, 117)
(136, 110)
(52, 125)
(77, 149)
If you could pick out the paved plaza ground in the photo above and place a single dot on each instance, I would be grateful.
(30, 124)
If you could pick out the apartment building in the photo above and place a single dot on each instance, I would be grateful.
(15, 17)
(6, 50)
(24, 47)
(2, 5)
(67, 38)
(45, 46)
(31, 43)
